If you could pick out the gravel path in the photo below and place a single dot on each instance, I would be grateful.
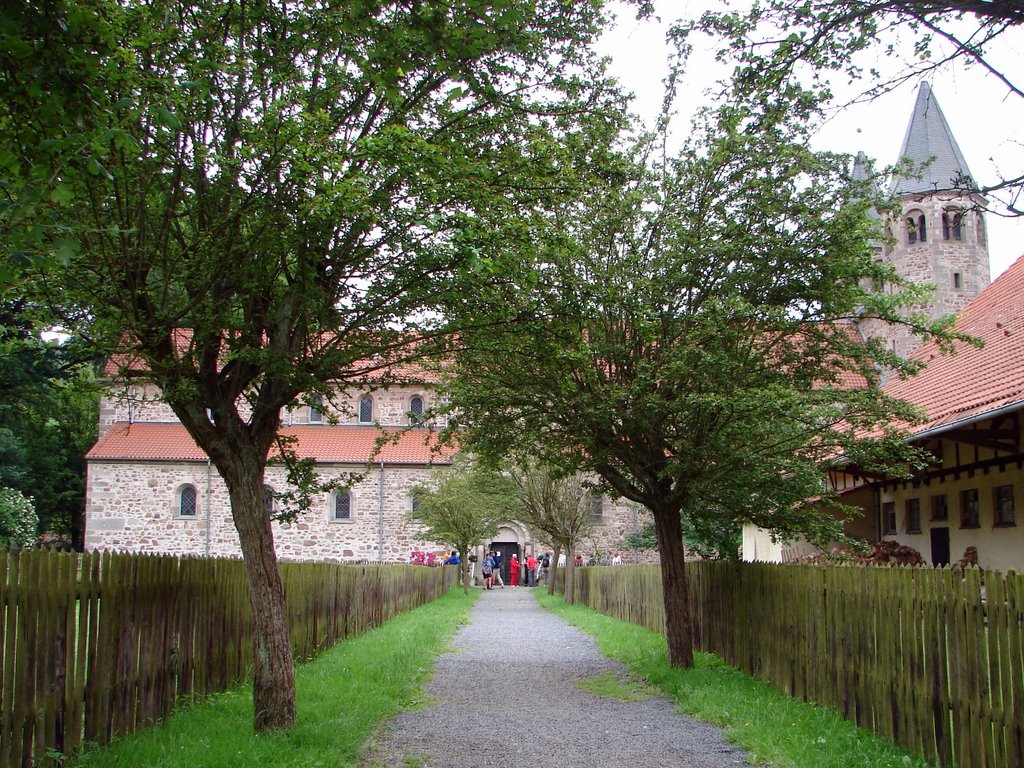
(490, 709)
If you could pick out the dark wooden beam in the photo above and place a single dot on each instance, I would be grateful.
(995, 439)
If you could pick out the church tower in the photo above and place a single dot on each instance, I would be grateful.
(940, 236)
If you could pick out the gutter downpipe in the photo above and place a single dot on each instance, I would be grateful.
(380, 515)
(209, 470)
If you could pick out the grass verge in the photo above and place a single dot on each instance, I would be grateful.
(774, 729)
(341, 698)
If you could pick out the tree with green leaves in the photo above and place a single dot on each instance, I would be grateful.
(778, 41)
(285, 194)
(463, 507)
(558, 507)
(688, 334)
(707, 538)
(48, 420)
(18, 519)
(52, 60)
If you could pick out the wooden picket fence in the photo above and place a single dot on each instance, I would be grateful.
(931, 659)
(98, 645)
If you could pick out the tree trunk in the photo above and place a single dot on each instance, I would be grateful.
(465, 567)
(273, 686)
(678, 622)
(553, 569)
(570, 575)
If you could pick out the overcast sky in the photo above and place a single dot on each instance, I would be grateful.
(988, 124)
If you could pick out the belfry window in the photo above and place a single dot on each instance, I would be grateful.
(951, 224)
(916, 228)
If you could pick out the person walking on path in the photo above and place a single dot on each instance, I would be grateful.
(488, 571)
(545, 564)
(513, 575)
(496, 557)
(461, 728)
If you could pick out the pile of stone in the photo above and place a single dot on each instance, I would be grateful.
(882, 553)
(892, 553)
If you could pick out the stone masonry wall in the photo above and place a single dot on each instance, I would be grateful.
(133, 506)
(390, 407)
(937, 261)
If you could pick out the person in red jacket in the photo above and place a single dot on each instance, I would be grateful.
(531, 571)
(513, 565)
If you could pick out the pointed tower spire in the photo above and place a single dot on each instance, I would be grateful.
(862, 173)
(929, 138)
(938, 236)
(860, 169)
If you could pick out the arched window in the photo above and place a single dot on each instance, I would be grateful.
(415, 410)
(979, 227)
(951, 229)
(268, 500)
(916, 230)
(316, 410)
(188, 500)
(366, 410)
(341, 509)
(877, 283)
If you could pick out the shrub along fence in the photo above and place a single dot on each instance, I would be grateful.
(97, 645)
(931, 659)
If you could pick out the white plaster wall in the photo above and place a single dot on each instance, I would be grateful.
(999, 548)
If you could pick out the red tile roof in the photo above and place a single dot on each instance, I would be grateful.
(368, 372)
(974, 381)
(327, 444)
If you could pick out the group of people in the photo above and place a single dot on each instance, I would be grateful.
(528, 573)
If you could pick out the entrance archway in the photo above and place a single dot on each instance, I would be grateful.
(511, 538)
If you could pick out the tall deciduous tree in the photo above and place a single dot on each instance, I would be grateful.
(687, 334)
(463, 508)
(559, 507)
(285, 187)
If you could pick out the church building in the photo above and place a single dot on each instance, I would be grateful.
(150, 488)
(973, 400)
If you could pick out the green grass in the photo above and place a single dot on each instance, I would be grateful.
(774, 729)
(341, 698)
(623, 687)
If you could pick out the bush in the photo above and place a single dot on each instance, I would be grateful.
(18, 519)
